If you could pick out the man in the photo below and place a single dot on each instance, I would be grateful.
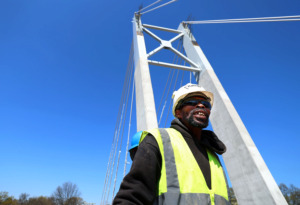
(178, 165)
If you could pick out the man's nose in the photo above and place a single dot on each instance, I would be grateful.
(200, 105)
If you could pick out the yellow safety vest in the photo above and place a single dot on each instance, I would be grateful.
(182, 181)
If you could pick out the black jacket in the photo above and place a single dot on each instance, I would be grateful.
(140, 185)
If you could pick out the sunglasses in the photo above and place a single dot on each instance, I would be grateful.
(195, 102)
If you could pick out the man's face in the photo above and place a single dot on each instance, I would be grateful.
(194, 115)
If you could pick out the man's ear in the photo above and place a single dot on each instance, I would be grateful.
(178, 114)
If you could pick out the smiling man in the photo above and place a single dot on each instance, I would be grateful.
(178, 165)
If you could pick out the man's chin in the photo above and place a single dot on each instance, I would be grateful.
(199, 124)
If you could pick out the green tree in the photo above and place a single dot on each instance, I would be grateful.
(285, 191)
(74, 201)
(40, 201)
(5, 199)
(232, 198)
(291, 194)
(294, 195)
(3, 196)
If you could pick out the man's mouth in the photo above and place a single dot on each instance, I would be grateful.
(199, 113)
(199, 117)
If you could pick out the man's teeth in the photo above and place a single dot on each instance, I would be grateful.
(200, 113)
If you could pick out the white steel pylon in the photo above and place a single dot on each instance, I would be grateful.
(251, 179)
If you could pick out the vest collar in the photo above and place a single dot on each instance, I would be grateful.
(208, 138)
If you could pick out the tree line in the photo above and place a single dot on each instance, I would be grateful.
(291, 194)
(67, 194)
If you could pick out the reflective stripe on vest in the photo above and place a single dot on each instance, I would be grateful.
(182, 181)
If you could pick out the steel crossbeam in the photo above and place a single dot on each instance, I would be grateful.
(164, 44)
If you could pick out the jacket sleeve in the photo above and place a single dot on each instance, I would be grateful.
(139, 186)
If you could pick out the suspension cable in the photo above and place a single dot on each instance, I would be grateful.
(181, 82)
(173, 72)
(115, 150)
(171, 100)
(107, 174)
(111, 152)
(248, 20)
(110, 168)
(165, 4)
(121, 117)
(149, 6)
(184, 62)
(175, 82)
(163, 95)
(111, 155)
(174, 59)
(129, 126)
(121, 141)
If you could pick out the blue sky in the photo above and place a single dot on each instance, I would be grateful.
(62, 68)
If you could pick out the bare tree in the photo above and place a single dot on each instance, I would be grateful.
(64, 193)
(23, 199)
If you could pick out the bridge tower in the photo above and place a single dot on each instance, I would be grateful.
(250, 177)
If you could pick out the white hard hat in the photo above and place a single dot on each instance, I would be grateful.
(190, 90)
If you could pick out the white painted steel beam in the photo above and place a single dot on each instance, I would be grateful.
(251, 179)
(171, 65)
(152, 35)
(145, 105)
(155, 51)
(176, 37)
(161, 28)
(167, 45)
(188, 60)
